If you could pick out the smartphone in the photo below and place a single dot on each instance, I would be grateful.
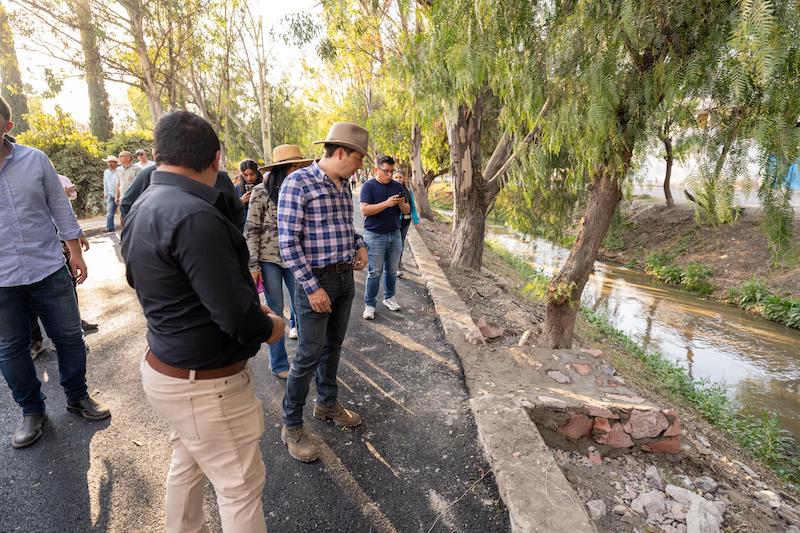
(400, 195)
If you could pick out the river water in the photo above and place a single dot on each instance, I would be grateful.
(758, 361)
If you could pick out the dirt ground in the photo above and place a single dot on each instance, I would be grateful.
(734, 252)
(495, 294)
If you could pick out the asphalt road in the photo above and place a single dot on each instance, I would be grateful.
(414, 465)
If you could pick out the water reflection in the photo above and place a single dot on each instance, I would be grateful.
(756, 360)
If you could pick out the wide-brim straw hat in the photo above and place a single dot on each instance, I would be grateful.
(286, 154)
(349, 135)
(111, 158)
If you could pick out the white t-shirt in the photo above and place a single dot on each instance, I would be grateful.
(142, 166)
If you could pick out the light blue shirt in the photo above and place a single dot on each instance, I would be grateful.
(32, 201)
(110, 182)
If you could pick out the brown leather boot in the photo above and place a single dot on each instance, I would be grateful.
(299, 445)
(341, 416)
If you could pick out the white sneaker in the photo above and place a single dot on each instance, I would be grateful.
(293, 333)
(391, 304)
(369, 312)
(399, 273)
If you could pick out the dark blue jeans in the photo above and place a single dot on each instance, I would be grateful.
(320, 338)
(111, 210)
(275, 276)
(403, 234)
(53, 300)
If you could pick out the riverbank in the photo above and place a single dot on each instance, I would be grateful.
(496, 296)
(649, 235)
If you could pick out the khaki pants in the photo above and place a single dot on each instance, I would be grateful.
(216, 426)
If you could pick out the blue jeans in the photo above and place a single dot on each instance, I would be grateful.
(384, 251)
(275, 276)
(53, 300)
(111, 210)
(320, 338)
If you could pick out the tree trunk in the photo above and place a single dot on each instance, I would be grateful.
(469, 203)
(136, 12)
(668, 157)
(417, 175)
(100, 121)
(565, 289)
(11, 88)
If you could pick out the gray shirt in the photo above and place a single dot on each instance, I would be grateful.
(32, 201)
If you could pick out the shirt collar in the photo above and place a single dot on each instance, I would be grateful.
(11, 147)
(209, 194)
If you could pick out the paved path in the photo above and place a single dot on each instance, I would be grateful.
(415, 454)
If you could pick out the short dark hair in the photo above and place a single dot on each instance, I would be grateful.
(186, 140)
(386, 159)
(330, 149)
(5, 110)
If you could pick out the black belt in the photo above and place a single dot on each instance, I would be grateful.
(337, 268)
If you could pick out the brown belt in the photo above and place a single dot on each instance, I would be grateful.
(183, 373)
(337, 268)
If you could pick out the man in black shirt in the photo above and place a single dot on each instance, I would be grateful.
(188, 263)
(224, 184)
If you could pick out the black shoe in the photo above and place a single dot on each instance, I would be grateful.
(88, 326)
(28, 431)
(89, 408)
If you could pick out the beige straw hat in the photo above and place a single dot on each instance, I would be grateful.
(286, 154)
(349, 135)
(111, 158)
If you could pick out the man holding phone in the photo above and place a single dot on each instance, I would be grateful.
(382, 204)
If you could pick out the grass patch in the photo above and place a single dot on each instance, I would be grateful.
(694, 278)
(754, 295)
(761, 437)
(536, 281)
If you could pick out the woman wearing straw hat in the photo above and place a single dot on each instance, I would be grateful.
(262, 241)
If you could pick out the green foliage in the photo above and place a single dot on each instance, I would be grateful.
(754, 295)
(760, 436)
(693, 278)
(750, 294)
(656, 261)
(778, 214)
(536, 281)
(75, 153)
(130, 141)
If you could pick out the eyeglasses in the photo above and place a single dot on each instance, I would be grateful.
(386, 170)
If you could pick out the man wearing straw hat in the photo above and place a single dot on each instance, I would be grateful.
(319, 244)
(110, 190)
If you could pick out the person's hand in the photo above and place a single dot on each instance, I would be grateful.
(84, 243)
(256, 276)
(278, 327)
(320, 301)
(246, 197)
(361, 260)
(70, 191)
(116, 200)
(393, 201)
(78, 268)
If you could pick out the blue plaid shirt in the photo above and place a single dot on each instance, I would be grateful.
(315, 224)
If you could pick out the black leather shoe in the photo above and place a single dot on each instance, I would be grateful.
(88, 326)
(28, 431)
(89, 408)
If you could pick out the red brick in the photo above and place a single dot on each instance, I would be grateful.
(576, 427)
(665, 445)
(597, 411)
(674, 429)
(582, 368)
(616, 438)
(601, 426)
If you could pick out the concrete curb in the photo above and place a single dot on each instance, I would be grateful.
(538, 496)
